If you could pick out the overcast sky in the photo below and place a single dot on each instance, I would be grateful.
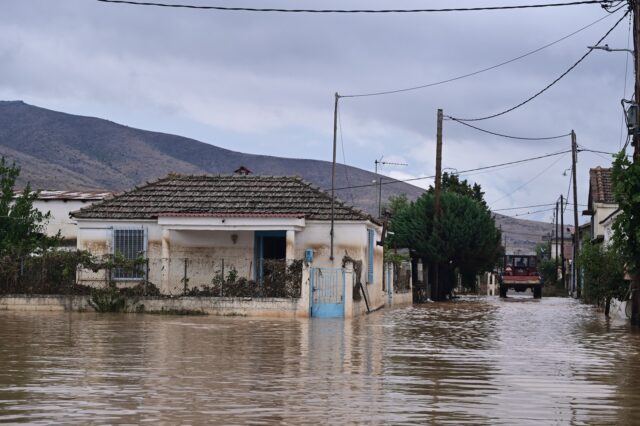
(264, 83)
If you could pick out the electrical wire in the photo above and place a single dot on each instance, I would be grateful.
(527, 214)
(509, 136)
(529, 181)
(460, 172)
(523, 207)
(284, 10)
(571, 68)
(480, 71)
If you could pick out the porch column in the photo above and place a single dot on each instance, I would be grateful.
(165, 262)
(291, 245)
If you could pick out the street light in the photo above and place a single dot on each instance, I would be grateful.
(608, 49)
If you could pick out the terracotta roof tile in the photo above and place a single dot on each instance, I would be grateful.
(600, 186)
(218, 195)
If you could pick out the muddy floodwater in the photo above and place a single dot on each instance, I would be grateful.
(475, 361)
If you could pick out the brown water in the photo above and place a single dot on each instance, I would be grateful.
(477, 361)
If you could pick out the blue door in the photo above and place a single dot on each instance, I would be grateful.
(327, 292)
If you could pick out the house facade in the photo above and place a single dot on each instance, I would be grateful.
(197, 231)
(602, 206)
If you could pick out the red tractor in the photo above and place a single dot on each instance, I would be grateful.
(520, 272)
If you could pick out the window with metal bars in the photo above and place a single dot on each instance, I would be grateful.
(370, 248)
(131, 243)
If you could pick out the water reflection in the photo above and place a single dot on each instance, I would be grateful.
(476, 361)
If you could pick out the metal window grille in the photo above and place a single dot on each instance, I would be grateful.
(370, 244)
(131, 243)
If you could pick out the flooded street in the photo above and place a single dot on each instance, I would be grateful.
(475, 361)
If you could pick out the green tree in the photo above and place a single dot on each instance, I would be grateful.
(21, 225)
(625, 176)
(603, 270)
(452, 183)
(464, 237)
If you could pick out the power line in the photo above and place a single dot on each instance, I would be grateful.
(509, 136)
(527, 214)
(531, 206)
(529, 181)
(364, 11)
(460, 172)
(480, 71)
(523, 207)
(571, 68)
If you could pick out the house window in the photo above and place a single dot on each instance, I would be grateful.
(370, 247)
(130, 243)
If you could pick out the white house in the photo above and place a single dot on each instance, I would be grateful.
(60, 204)
(603, 210)
(602, 207)
(193, 227)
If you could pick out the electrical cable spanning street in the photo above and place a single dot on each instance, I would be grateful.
(477, 72)
(550, 85)
(363, 11)
(523, 138)
(458, 173)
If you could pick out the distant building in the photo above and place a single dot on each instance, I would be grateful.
(60, 204)
(602, 206)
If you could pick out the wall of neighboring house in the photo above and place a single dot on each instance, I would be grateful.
(600, 212)
(60, 220)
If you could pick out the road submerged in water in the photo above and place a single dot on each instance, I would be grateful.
(473, 361)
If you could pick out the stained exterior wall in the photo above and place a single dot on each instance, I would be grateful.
(205, 250)
(350, 240)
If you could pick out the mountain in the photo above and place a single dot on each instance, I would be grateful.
(69, 152)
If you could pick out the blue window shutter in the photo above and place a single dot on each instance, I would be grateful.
(370, 240)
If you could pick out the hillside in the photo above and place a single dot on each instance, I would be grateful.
(70, 152)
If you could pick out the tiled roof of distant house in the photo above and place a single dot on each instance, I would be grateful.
(245, 195)
(600, 187)
(74, 195)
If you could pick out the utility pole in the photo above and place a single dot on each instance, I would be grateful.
(438, 190)
(557, 218)
(564, 278)
(635, 279)
(333, 170)
(576, 232)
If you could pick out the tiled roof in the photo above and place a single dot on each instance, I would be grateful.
(249, 195)
(600, 188)
(72, 195)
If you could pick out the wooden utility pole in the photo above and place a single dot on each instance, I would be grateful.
(557, 236)
(635, 279)
(576, 233)
(564, 278)
(438, 190)
(333, 170)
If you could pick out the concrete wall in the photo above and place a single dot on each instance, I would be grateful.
(255, 307)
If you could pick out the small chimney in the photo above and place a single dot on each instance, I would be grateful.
(243, 171)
